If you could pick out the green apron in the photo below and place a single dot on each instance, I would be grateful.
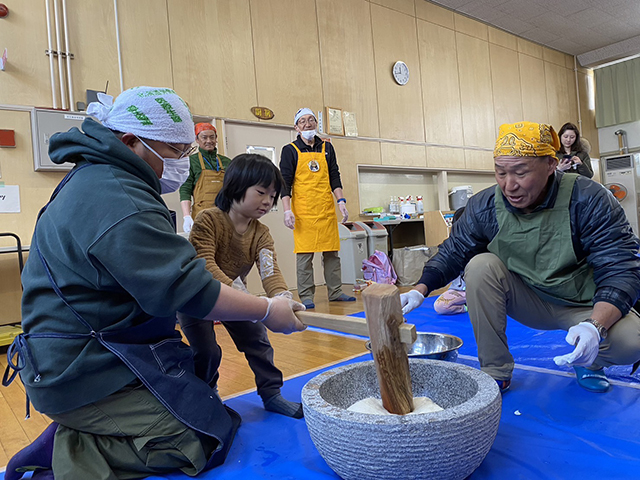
(538, 247)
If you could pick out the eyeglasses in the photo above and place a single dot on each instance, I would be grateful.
(303, 122)
(190, 150)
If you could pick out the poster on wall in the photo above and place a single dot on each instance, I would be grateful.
(9, 199)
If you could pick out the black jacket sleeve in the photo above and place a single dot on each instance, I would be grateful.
(611, 248)
(470, 235)
(334, 172)
(288, 165)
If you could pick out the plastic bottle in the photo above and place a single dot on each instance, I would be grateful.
(419, 204)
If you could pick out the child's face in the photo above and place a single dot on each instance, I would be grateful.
(257, 201)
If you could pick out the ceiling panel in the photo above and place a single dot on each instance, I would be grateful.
(575, 27)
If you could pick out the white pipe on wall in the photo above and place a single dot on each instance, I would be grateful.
(63, 91)
(115, 10)
(68, 55)
(54, 95)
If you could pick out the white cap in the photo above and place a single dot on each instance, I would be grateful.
(148, 112)
(302, 112)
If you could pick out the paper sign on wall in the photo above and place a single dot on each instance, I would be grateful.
(9, 199)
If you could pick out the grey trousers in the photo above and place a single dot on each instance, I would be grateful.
(493, 292)
(332, 275)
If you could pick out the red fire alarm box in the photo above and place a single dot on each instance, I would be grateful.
(7, 138)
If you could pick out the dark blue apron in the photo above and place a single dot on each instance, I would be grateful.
(154, 352)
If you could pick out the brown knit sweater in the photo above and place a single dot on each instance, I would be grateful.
(230, 255)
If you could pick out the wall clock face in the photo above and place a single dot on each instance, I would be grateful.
(401, 73)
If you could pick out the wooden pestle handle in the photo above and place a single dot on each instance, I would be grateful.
(353, 325)
(384, 317)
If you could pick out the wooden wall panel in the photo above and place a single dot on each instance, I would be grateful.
(529, 48)
(471, 27)
(350, 154)
(25, 80)
(403, 155)
(144, 38)
(505, 77)
(478, 159)
(434, 13)
(502, 38)
(404, 6)
(553, 56)
(286, 46)
(588, 114)
(573, 96)
(475, 91)
(534, 94)
(94, 46)
(395, 38)
(440, 84)
(212, 54)
(348, 73)
(557, 94)
(440, 157)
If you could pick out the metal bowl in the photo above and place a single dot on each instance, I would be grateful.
(434, 346)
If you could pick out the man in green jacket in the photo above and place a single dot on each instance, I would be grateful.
(206, 174)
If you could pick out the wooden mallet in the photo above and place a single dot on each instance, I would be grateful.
(386, 328)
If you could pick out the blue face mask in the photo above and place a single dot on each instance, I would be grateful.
(174, 171)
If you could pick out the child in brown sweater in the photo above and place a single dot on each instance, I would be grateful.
(231, 239)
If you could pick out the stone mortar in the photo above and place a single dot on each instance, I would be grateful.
(449, 444)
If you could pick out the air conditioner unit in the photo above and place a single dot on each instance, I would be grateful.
(621, 175)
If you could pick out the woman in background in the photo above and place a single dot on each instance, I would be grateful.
(572, 156)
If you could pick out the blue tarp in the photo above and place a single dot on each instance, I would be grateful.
(550, 427)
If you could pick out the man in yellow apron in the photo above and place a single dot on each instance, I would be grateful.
(310, 171)
(554, 251)
(206, 173)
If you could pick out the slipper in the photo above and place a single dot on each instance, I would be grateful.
(308, 304)
(344, 298)
(592, 380)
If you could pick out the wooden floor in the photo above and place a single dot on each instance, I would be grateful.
(295, 355)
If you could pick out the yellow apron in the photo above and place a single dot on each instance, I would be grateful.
(316, 227)
(207, 187)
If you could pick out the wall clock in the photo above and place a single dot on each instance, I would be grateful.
(400, 73)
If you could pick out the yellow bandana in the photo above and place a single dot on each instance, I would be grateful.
(526, 139)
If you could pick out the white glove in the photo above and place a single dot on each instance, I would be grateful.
(280, 315)
(289, 219)
(187, 224)
(586, 351)
(286, 294)
(343, 210)
(239, 285)
(411, 300)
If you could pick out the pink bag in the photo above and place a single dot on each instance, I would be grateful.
(378, 268)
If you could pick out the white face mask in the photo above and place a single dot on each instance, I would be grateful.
(174, 171)
(308, 134)
(174, 174)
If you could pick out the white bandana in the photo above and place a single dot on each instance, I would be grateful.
(152, 113)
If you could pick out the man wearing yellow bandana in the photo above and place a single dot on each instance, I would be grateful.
(554, 251)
